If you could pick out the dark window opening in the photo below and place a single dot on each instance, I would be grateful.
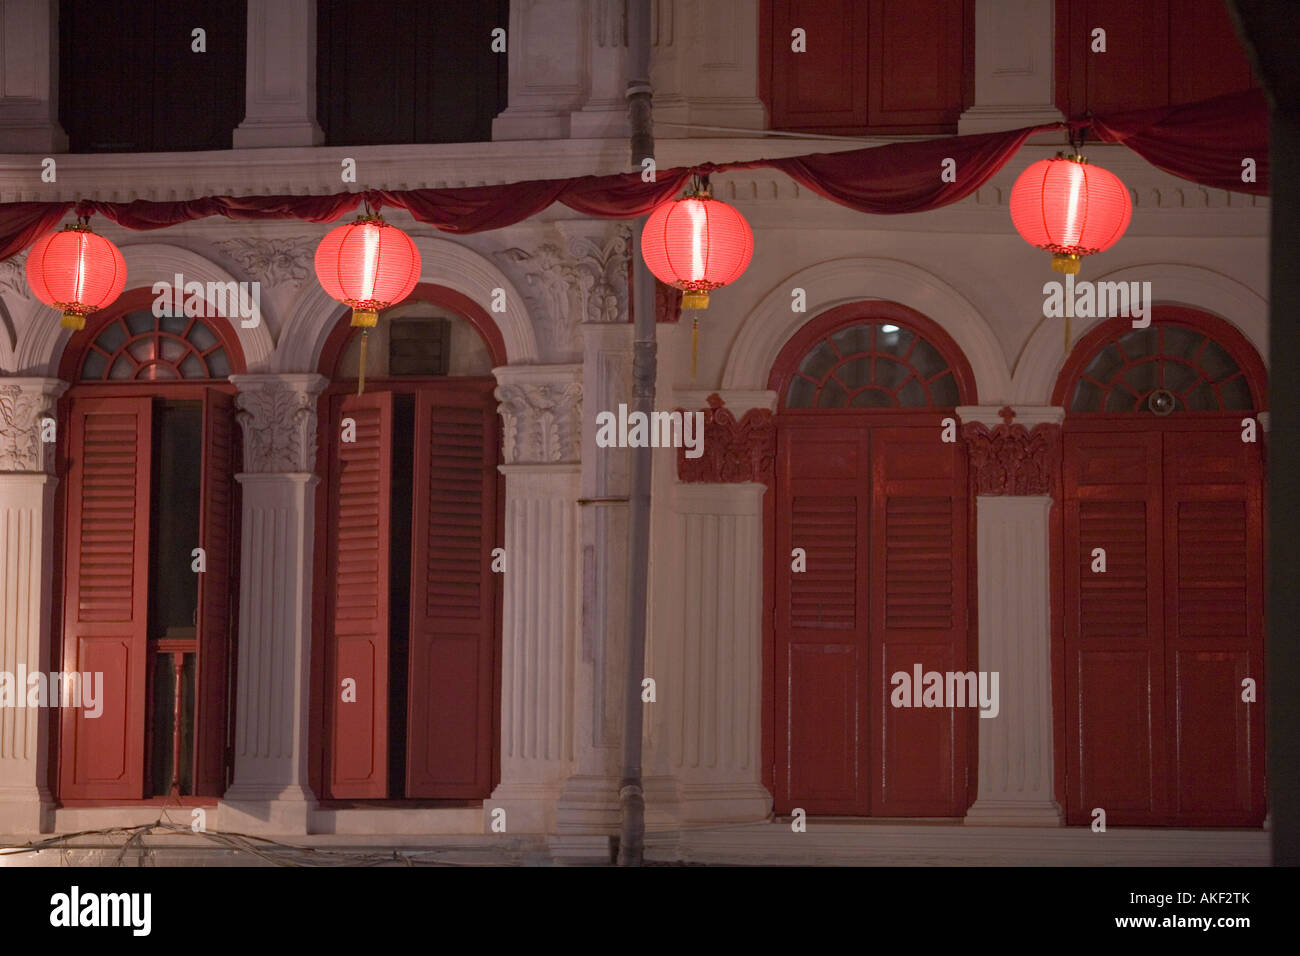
(419, 347)
(399, 589)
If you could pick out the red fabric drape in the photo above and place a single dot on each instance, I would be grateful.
(1204, 142)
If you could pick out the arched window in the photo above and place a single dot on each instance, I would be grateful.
(872, 365)
(1161, 369)
(141, 347)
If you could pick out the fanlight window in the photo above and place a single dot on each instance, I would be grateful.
(873, 365)
(140, 347)
(1162, 369)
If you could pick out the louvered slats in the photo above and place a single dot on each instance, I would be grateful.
(826, 528)
(919, 571)
(108, 518)
(454, 530)
(361, 543)
(1113, 603)
(1212, 570)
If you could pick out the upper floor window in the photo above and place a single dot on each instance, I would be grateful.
(131, 80)
(415, 72)
(867, 65)
(140, 347)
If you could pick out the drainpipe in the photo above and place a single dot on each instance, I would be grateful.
(631, 847)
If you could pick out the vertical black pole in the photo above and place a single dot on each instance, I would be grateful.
(631, 848)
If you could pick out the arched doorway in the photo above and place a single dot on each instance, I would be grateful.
(877, 501)
(149, 465)
(410, 518)
(1162, 584)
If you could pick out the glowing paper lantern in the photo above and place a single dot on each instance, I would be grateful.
(1070, 208)
(368, 265)
(75, 271)
(696, 244)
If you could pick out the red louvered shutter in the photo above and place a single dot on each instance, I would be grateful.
(106, 595)
(359, 508)
(453, 608)
(1114, 674)
(216, 537)
(918, 616)
(1214, 627)
(822, 750)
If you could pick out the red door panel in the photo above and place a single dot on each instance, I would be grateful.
(1114, 670)
(361, 482)
(216, 523)
(918, 615)
(822, 656)
(1214, 624)
(1205, 57)
(825, 87)
(915, 63)
(106, 594)
(453, 609)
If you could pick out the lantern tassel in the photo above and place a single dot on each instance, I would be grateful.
(695, 345)
(361, 374)
(1067, 335)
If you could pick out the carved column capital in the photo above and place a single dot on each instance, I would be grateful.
(735, 450)
(1012, 459)
(278, 416)
(541, 411)
(23, 403)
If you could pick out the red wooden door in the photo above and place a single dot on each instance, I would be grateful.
(106, 594)
(217, 538)
(453, 608)
(822, 653)
(361, 482)
(881, 513)
(1114, 649)
(919, 615)
(1159, 644)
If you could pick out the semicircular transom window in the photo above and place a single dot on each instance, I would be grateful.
(141, 347)
(873, 365)
(1162, 369)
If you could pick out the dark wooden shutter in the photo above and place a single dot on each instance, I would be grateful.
(1214, 627)
(822, 749)
(918, 616)
(361, 482)
(915, 63)
(1114, 672)
(825, 87)
(453, 607)
(106, 597)
(216, 537)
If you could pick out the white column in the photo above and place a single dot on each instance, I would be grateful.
(541, 408)
(1015, 43)
(29, 78)
(605, 111)
(704, 66)
(270, 792)
(280, 84)
(549, 68)
(27, 486)
(710, 677)
(1013, 468)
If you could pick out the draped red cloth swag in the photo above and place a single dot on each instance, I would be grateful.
(1204, 142)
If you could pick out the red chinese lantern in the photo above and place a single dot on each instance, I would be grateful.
(696, 244)
(1070, 208)
(75, 271)
(368, 265)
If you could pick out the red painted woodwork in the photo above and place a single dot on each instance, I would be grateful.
(106, 593)
(1011, 459)
(453, 613)
(1158, 53)
(881, 506)
(358, 614)
(883, 67)
(734, 450)
(217, 538)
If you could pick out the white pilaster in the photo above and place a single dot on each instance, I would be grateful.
(270, 792)
(280, 85)
(26, 577)
(1014, 66)
(549, 68)
(29, 78)
(712, 683)
(541, 411)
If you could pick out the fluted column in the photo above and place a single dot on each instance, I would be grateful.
(1015, 469)
(27, 486)
(29, 78)
(280, 82)
(270, 791)
(541, 408)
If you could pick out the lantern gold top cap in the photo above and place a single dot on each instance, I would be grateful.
(698, 187)
(1073, 157)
